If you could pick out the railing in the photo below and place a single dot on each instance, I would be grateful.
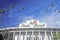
(39, 38)
(27, 37)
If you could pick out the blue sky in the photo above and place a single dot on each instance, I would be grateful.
(32, 9)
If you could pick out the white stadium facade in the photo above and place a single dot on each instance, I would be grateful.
(30, 30)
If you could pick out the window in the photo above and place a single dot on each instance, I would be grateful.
(36, 33)
(5, 35)
(42, 34)
(16, 35)
(29, 33)
(54, 35)
(28, 37)
(36, 38)
(23, 35)
(11, 36)
(48, 35)
(58, 34)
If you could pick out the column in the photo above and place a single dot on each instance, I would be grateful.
(39, 36)
(26, 35)
(56, 34)
(19, 35)
(7, 35)
(32, 35)
(13, 35)
(51, 36)
(45, 38)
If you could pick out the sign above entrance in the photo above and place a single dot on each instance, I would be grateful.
(32, 23)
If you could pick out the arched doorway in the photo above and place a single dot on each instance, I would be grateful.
(1, 37)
